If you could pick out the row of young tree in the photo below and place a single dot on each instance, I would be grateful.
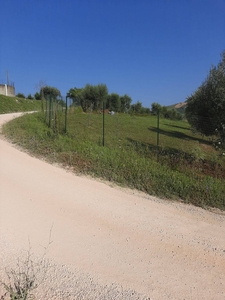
(91, 98)
(44, 92)
(29, 96)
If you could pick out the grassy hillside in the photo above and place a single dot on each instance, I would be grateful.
(15, 104)
(184, 166)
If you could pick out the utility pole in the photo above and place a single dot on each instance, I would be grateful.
(7, 77)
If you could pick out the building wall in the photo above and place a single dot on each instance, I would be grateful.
(7, 90)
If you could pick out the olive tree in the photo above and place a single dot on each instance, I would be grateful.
(92, 96)
(50, 91)
(125, 103)
(113, 102)
(205, 110)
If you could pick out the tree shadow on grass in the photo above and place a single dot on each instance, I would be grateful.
(179, 135)
(181, 127)
(147, 149)
(178, 159)
(142, 147)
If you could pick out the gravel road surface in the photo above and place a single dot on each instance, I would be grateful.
(108, 242)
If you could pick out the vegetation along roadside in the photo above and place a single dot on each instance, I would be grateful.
(183, 166)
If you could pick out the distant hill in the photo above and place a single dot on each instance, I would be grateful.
(180, 107)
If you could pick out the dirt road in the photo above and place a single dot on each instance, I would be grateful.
(161, 249)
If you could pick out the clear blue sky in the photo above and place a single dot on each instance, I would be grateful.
(152, 50)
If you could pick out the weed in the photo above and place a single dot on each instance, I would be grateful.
(27, 276)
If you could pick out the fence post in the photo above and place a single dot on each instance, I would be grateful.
(68, 95)
(66, 114)
(46, 112)
(103, 124)
(158, 130)
(50, 112)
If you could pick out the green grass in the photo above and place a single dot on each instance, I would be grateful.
(15, 104)
(184, 167)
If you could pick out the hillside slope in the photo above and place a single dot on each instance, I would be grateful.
(15, 104)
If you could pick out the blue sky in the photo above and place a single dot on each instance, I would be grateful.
(152, 50)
